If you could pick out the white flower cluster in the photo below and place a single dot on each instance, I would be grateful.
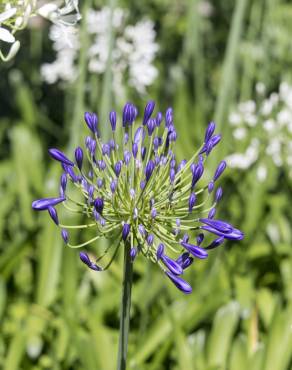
(133, 52)
(15, 14)
(263, 130)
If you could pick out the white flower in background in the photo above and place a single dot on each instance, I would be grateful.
(14, 16)
(66, 44)
(6, 35)
(263, 131)
(132, 57)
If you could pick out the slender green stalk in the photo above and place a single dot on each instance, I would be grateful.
(125, 308)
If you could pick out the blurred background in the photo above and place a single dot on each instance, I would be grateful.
(227, 61)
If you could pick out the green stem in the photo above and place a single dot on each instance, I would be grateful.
(125, 308)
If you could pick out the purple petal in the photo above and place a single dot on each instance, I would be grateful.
(160, 251)
(179, 283)
(126, 231)
(54, 215)
(217, 224)
(195, 250)
(84, 258)
(45, 203)
(59, 156)
(172, 265)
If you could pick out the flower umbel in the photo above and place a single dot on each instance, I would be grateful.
(136, 193)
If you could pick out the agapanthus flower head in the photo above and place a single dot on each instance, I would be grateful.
(135, 193)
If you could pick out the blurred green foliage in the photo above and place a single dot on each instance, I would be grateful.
(54, 314)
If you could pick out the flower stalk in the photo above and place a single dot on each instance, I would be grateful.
(125, 308)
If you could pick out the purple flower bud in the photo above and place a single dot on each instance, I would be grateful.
(133, 253)
(200, 238)
(69, 170)
(209, 147)
(181, 284)
(84, 184)
(90, 174)
(221, 167)
(113, 185)
(135, 150)
(91, 121)
(168, 117)
(129, 114)
(209, 131)
(65, 235)
(142, 184)
(156, 142)
(99, 183)
(84, 258)
(87, 141)
(126, 138)
(197, 174)
(118, 168)
(125, 231)
(193, 167)
(98, 205)
(45, 203)
(159, 118)
(79, 157)
(94, 267)
(186, 238)
(211, 144)
(113, 120)
(181, 165)
(101, 164)
(59, 156)
(173, 136)
(63, 181)
(106, 149)
(112, 144)
(149, 108)
(96, 215)
(153, 212)
(172, 265)
(143, 152)
(127, 157)
(132, 193)
(210, 186)
(219, 225)
(149, 169)
(150, 239)
(212, 213)
(141, 229)
(172, 175)
(235, 234)
(92, 146)
(172, 163)
(192, 201)
(151, 126)
(195, 250)
(160, 251)
(138, 135)
(157, 160)
(90, 192)
(215, 243)
(53, 214)
(184, 260)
